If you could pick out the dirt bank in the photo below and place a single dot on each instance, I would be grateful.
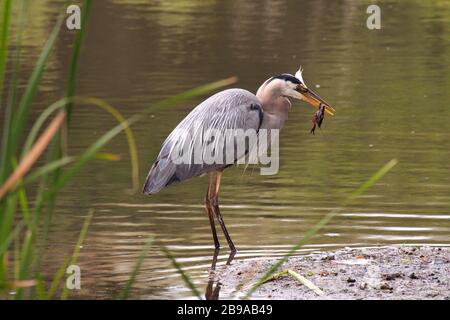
(366, 273)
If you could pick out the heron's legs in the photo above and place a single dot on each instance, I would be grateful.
(209, 210)
(215, 206)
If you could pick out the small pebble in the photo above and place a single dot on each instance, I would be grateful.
(385, 286)
(392, 276)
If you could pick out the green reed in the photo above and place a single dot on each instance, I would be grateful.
(137, 268)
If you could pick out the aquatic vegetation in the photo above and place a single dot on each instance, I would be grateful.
(299, 278)
(25, 220)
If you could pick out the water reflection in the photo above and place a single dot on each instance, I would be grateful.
(213, 287)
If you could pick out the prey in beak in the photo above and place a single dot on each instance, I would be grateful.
(312, 98)
(317, 118)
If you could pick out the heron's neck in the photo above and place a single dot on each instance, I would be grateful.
(272, 99)
(276, 110)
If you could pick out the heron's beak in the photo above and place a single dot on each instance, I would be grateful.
(312, 98)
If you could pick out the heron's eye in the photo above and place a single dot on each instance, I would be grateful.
(302, 88)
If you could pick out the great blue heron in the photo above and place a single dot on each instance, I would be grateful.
(231, 109)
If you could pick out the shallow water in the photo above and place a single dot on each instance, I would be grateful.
(390, 89)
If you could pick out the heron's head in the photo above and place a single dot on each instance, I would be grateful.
(291, 86)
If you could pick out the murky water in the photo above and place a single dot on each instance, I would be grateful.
(390, 88)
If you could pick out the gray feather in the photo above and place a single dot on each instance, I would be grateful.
(228, 109)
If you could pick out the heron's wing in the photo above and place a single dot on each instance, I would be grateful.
(201, 135)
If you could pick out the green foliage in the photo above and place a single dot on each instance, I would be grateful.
(187, 280)
(137, 267)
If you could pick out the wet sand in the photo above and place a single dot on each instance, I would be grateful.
(394, 272)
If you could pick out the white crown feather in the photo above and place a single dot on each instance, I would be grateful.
(298, 74)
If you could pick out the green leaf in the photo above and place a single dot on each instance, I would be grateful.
(76, 251)
(183, 274)
(6, 155)
(126, 290)
(46, 169)
(71, 80)
(31, 88)
(6, 11)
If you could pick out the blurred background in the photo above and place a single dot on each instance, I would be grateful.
(390, 88)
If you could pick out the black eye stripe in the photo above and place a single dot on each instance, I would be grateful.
(286, 77)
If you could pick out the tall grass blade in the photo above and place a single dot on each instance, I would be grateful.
(23, 200)
(40, 288)
(307, 283)
(107, 156)
(5, 155)
(373, 179)
(71, 80)
(35, 152)
(6, 243)
(46, 169)
(46, 181)
(76, 251)
(183, 274)
(57, 277)
(137, 267)
(25, 259)
(57, 164)
(31, 89)
(134, 159)
(6, 225)
(39, 123)
(6, 13)
(195, 92)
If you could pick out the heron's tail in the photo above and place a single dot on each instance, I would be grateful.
(161, 174)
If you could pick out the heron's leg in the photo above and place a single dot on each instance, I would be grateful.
(215, 206)
(209, 210)
(231, 257)
(210, 292)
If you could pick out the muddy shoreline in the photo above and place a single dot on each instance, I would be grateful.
(393, 272)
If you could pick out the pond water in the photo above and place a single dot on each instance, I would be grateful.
(390, 88)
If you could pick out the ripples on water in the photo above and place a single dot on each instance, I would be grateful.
(390, 89)
(261, 231)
